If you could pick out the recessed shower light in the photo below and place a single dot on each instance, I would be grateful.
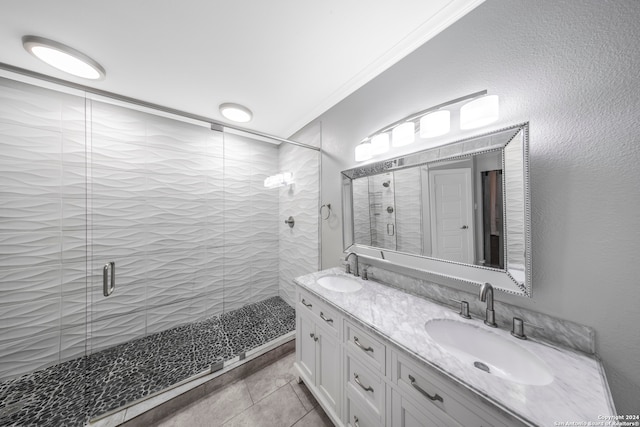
(63, 57)
(236, 112)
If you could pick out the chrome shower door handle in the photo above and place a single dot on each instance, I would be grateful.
(108, 286)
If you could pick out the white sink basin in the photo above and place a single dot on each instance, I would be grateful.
(338, 283)
(489, 352)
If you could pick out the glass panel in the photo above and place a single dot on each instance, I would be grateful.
(42, 256)
(176, 214)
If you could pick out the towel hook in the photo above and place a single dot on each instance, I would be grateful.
(328, 206)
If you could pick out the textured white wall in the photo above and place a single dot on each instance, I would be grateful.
(570, 68)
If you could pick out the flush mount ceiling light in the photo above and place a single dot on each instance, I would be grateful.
(435, 124)
(236, 112)
(364, 151)
(63, 57)
(479, 112)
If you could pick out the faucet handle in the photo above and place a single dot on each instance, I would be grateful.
(518, 328)
(347, 267)
(365, 272)
(464, 308)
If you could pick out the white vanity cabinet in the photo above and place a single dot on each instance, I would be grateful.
(362, 379)
(318, 351)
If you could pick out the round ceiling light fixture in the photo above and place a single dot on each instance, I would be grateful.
(236, 112)
(63, 57)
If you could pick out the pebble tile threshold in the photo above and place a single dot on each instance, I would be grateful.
(70, 393)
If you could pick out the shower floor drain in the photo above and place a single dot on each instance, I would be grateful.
(482, 366)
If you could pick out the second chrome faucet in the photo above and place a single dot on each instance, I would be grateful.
(486, 294)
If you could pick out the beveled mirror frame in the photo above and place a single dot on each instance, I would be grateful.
(509, 279)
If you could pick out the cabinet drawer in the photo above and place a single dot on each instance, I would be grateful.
(357, 416)
(430, 391)
(308, 302)
(325, 315)
(366, 387)
(364, 345)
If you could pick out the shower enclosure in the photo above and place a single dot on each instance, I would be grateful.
(137, 249)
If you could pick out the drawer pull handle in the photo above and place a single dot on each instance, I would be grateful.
(357, 380)
(355, 340)
(305, 304)
(325, 318)
(355, 421)
(417, 387)
(312, 335)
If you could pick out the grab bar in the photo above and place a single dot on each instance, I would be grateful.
(108, 286)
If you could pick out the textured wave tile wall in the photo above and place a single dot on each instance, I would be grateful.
(42, 189)
(298, 245)
(361, 212)
(408, 204)
(250, 222)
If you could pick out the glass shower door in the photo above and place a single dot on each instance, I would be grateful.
(148, 211)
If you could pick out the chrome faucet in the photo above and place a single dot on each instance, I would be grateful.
(348, 267)
(486, 294)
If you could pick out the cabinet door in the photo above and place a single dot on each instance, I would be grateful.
(406, 414)
(328, 373)
(307, 347)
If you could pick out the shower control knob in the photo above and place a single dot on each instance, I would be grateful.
(390, 209)
(464, 227)
(290, 221)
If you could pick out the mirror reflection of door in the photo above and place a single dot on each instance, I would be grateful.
(492, 215)
(452, 214)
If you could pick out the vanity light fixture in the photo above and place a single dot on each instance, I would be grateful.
(236, 112)
(364, 151)
(380, 143)
(480, 109)
(403, 134)
(279, 180)
(435, 124)
(63, 57)
(479, 112)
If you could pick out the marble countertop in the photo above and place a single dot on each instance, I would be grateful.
(577, 393)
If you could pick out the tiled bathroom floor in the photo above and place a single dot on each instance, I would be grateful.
(65, 393)
(270, 397)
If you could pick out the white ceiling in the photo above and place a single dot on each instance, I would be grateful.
(287, 60)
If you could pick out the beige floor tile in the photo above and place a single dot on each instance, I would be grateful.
(308, 401)
(281, 408)
(271, 378)
(315, 418)
(213, 410)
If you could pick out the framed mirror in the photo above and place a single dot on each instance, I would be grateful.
(459, 211)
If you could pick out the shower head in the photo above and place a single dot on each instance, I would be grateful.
(386, 184)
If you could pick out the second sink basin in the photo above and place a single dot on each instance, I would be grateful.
(339, 283)
(489, 352)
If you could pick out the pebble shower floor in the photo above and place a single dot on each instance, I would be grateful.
(70, 393)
